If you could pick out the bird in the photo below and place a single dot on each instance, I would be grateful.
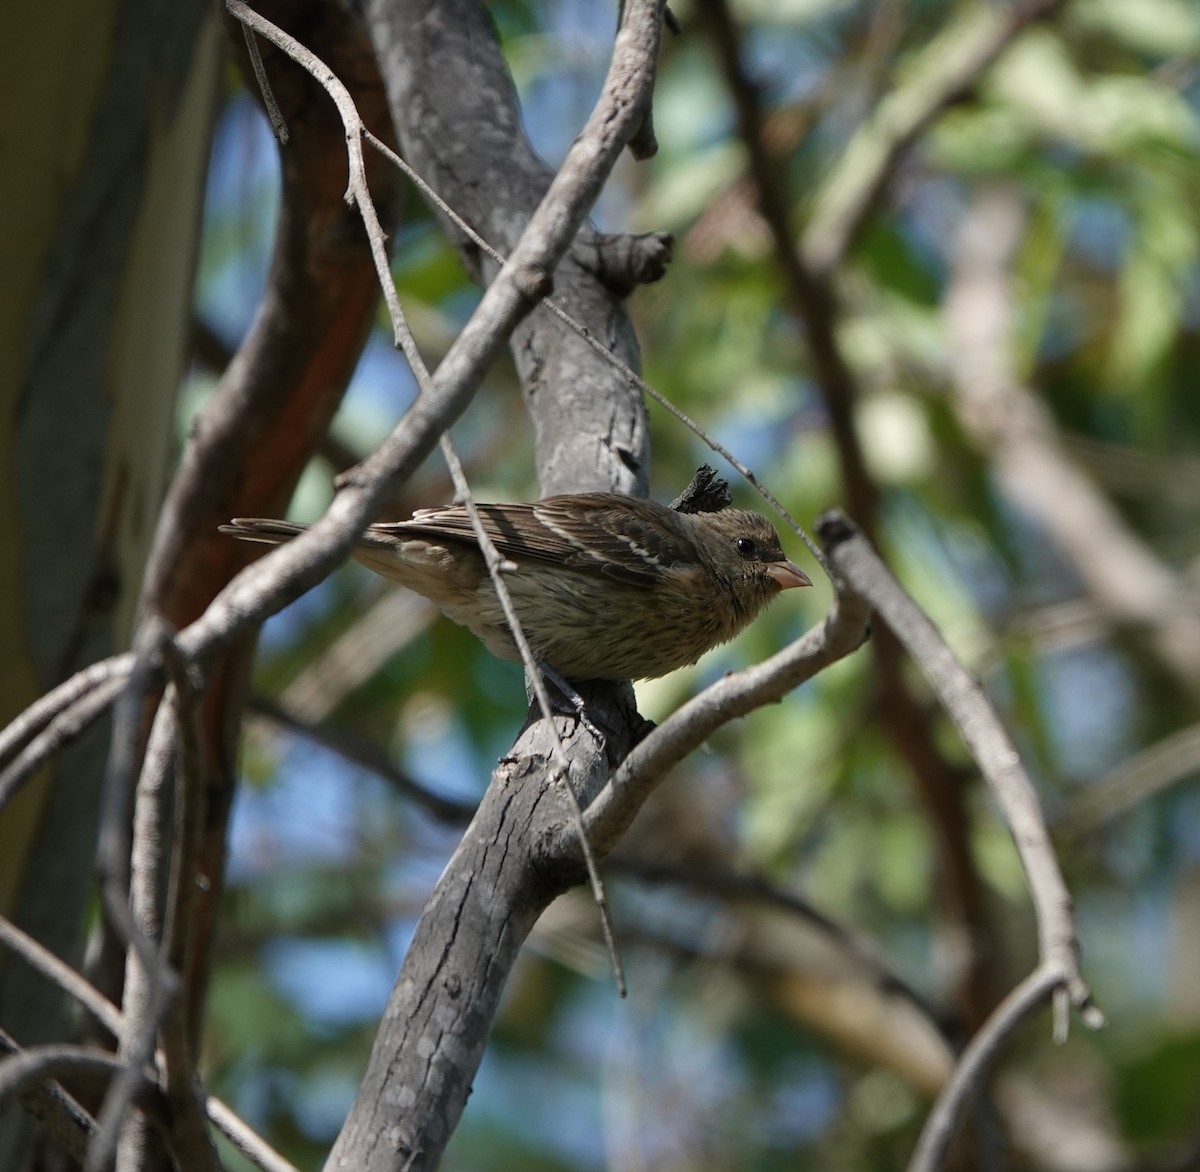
(605, 586)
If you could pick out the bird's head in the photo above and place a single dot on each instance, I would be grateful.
(745, 549)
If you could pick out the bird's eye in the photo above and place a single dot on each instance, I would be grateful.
(746, 547)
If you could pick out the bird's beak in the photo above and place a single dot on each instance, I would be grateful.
(786, 575)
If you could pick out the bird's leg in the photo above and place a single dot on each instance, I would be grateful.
(577, 702)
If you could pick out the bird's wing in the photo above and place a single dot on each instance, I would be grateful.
(585, 532)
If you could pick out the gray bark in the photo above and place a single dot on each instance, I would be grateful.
(457, 122)
(459, 126)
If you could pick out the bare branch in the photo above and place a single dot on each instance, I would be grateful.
(82, 1065)
(843, 631)
(67, 979)
(38, 716)
(459, 126)
(128, 861)
(968, 706)
(114, 864)
(167, 829)
(73, 718)
(626, 93)
(245, 1139)
(518, 853)
(62, 1116)
(972, 1067)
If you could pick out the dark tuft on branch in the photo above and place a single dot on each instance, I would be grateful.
(644, 143)
(833, 528)
(707, 493)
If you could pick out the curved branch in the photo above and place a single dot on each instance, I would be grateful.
(968, 706)
(365, 755)
(972, 1066)
(843, 631)
(70, 722)
(247, 1141)
(85, 1065)
(42, 712)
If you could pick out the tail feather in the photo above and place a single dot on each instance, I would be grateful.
(262, 529)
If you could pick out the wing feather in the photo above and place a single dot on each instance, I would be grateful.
(587, 532)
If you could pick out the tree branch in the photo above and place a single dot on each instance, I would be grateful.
(66, 978)
(968, 706)
(976, 1059)
(459, 126)
(365, 756)
(842, 632)
(812, 296)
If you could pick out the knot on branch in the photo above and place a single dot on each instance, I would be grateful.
(834, 528)
(532, 283)
(623, 261)
(644, 142)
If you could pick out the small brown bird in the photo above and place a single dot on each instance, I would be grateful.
(605, 586)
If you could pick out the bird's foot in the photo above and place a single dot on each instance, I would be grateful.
(572, 696)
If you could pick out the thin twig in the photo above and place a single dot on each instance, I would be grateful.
(607, 354)
(80, 1063)
(167, 825)
(246, 1139)
(151, 985)
(236, 1130)
(968, 706)
(71, 721)
(274, 114)
(60, 1114)
(61, 974)
(973, 1064)
(42, 712)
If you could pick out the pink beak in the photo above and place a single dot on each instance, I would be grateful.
(787, 576)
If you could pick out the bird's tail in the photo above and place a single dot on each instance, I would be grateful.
(262, 529)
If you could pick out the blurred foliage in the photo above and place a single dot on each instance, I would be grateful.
(1093, 120)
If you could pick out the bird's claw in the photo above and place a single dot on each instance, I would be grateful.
(577, 702)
